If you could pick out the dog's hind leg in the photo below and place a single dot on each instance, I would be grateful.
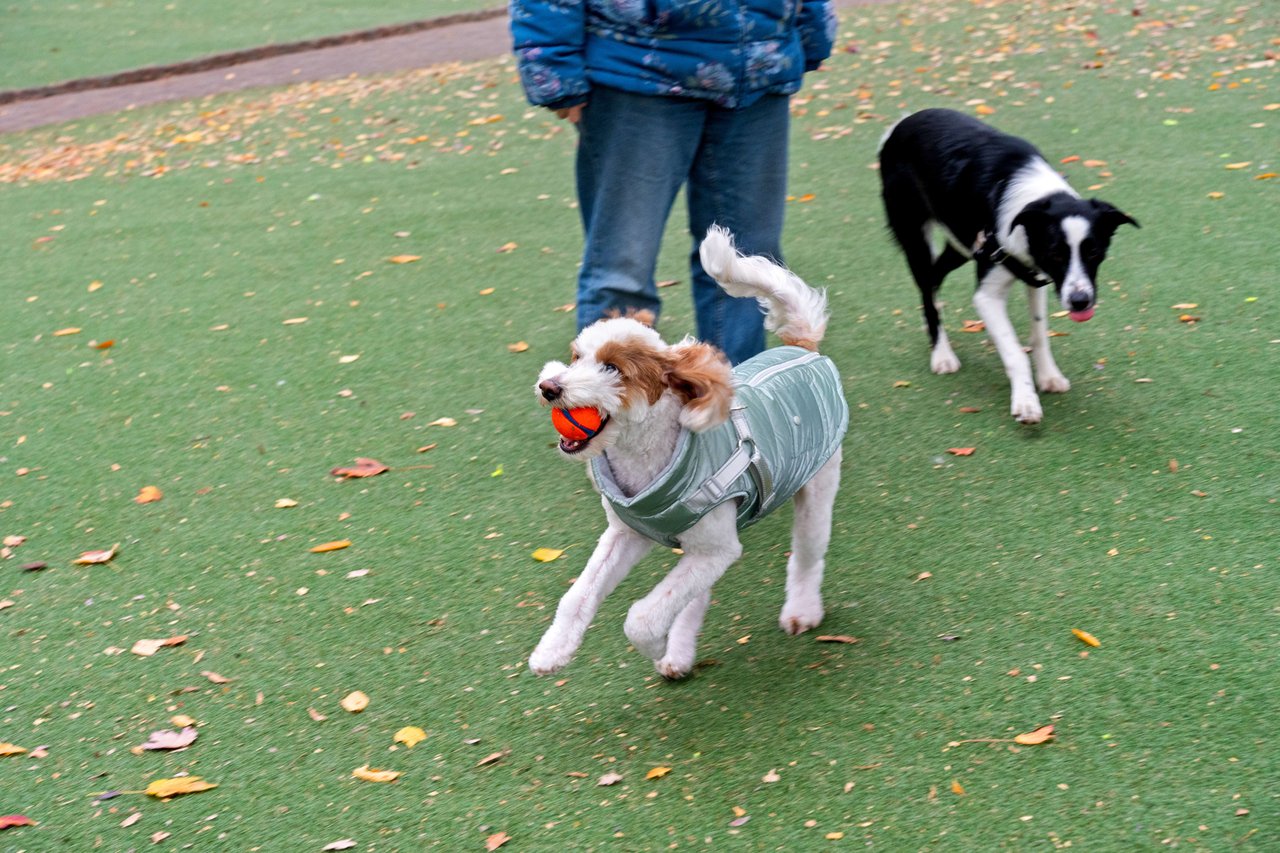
(810, 536)
(1048, 377)
(682, 639)
(914, 230)
(618, 550)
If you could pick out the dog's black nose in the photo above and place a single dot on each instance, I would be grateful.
(550, 389)
(1080, 301)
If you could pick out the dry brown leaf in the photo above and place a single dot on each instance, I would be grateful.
(1086, 638)
(10, 820)
(493, 842)
(610, 778)
(355, 702)
(91, 558)
(969, 410)
(166, 739)
(518, 346)
(835, 638)
(491, 758)
(508, 247)
(363, 467)
(147, 648)
(1038, 736)
(961, 451)
(369, 774)
(214, 677)
(182, 720)
(316, 715)
(443, 422)
(770, 777)
(166, 788)
(11, 749)
(148, 494)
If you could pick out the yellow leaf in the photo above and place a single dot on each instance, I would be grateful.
(486, 291)
(182, 720)
(546, 555)
(1086, 638)
(834, 836)
(957, 788)
(1032, 738)
(1243, 165)
(331, 546)
(902, 383)
(410, 736)
(518, 346)
(443, 422)
(165, 788)
(508, 247)
(404, 259)
(984, 110)
(148, 494)
(369, 775)
(657, 773)
(11, 749)
(355, 702)
(806, 198)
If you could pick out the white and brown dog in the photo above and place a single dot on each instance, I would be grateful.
(690, 450)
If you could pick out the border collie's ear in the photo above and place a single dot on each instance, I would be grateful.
(700, 376)
(1033, 214)
(1111, 217)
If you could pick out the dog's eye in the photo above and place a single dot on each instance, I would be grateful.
(610, 367)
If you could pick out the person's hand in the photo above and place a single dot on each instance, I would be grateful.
(573, 113)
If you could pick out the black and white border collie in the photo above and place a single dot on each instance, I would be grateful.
(998, 202)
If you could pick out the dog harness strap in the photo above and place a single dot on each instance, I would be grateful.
(759, 468)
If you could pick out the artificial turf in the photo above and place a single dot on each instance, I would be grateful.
(1142, 509)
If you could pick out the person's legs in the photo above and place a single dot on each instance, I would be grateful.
(634, 152)
(738, 180)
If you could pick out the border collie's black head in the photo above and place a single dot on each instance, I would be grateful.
(1067, 237)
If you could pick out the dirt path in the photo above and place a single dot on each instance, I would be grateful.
(373, 52)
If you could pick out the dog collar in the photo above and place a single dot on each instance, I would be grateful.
(990, 252)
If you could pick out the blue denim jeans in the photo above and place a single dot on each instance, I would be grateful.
(634, 154)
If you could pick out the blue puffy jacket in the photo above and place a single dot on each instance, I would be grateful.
(728, 51)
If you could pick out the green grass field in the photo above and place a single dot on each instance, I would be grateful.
(197, 237)
(48, 41)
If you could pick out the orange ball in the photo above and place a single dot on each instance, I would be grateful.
(576, 424)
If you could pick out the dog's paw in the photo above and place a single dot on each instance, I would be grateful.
(545, 661)
(797, 618)
(943, 360)
(1025, 409)
(1054, 383)
(641, 633)
(673, 670)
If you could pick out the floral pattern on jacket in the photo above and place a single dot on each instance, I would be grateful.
(731, 52)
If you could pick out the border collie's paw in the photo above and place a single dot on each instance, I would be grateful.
(1055, 383)
(1026, 408)
(943, 360)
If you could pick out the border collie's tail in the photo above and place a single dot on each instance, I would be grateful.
(795, 312)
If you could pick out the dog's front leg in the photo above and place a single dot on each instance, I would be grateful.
(618, 550)
(1048, 377)
(710, 547)
(991, 301)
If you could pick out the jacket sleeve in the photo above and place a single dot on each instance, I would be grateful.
(548, 38)
(817, 31)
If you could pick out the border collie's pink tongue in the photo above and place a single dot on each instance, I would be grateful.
(1081, 316)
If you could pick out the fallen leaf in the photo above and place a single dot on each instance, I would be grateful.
(1094, 164)
(771, 776)
(182, 720)
(969, 410)
(491, 758)
(131, 819)
(11, 749)
(108, 344)
(286, 503)
(835, 638)
(91, 558)
(610, 778)
(148, 494)
(363, 467)
(166, 788)
(404, 259)
(493, 842)
(370, 775)
(1040, 735)
(337, 545)
(1235, 166)
(341, 844)
(295, 321)
(518, 346)
(973, 326)
(984, 110)
(957, 788)
(166, 739)
(486, 291)
(355, 702)
(214, 677)
(1188, 318)
(546, 555)
(1071, 159)
(902, 383)
(670, 282)
(10, 820)
(316, 715)
(147, 648)
(443, 422)
(740, 820)
(657, 772)
(71, 330)
(1086, 638)
(1185, 306)
(347, 359)
(508, 247)
(961, 451)
(14, 540)
(157, 837)
(410, 736)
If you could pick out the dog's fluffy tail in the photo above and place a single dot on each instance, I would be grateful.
(795, 312)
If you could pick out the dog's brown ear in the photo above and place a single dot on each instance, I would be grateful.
(700, 376)
(641, 315)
